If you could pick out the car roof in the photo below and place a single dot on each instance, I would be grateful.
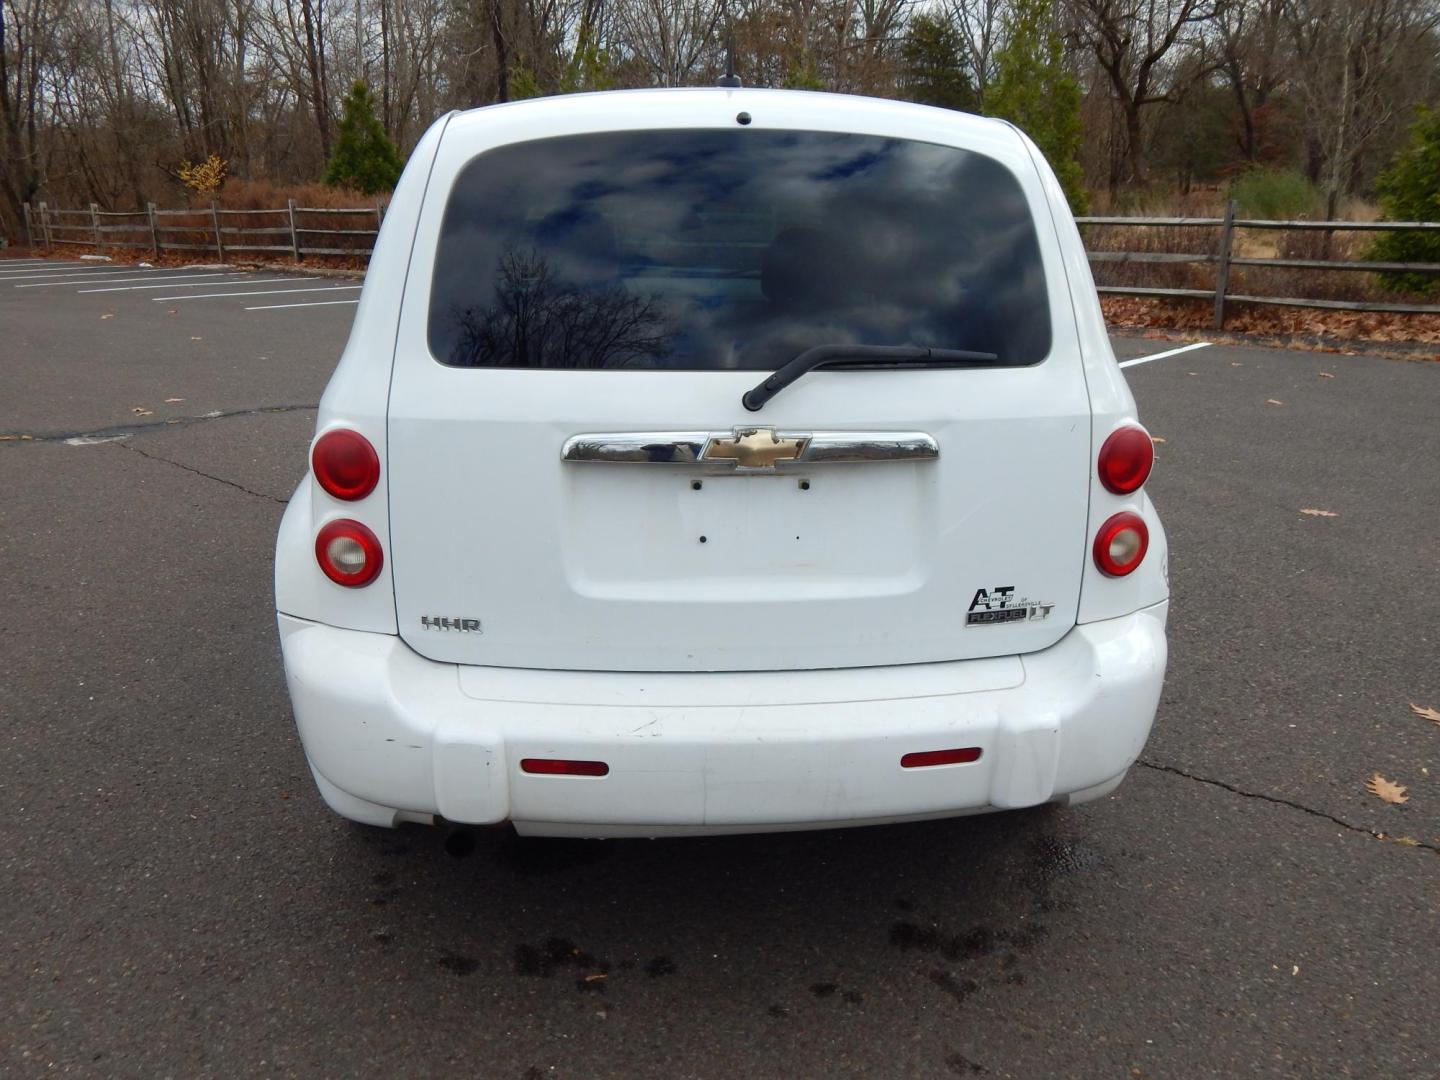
(687, 107)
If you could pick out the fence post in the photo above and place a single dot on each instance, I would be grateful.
(154, 232)
(95, 226)
(1222, 271)
(219, 241)
(294, 236)
(45, 226)
(29, 236)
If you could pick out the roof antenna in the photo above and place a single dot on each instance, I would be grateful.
(729, 80)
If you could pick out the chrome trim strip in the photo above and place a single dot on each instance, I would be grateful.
(728, 451)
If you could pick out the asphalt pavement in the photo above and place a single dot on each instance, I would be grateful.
(177, 901)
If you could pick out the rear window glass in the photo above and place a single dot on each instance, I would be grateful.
(732, 249)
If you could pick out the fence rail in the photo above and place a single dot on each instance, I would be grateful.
(1224, 258)
(299, 235)
(160, 230)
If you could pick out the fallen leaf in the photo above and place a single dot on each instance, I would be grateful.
(1429, 712)
(1272, 401)
(1318, 513)
(1294, 970)
(597, 977)
(1236, 363)
(17, 438)
(197, 339)
(139, 410)
(107, 316)
(1156, 439)
(173, 400)
(1386, 790)
(1405, 841)
(1326, 375)
(1192, 373)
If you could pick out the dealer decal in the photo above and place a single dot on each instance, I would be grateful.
(999, 604)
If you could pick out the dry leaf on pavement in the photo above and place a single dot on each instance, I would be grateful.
(1272, 401)
(107, 316)
(1318, 513)
(140, 410)
(1156, 439)
(173, 400)
(1386, 790)
(1429, 712)
(1326, 375)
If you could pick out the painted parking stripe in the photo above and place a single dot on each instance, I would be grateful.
(315, 303)
(117, 282)
(195, 285)
(257, 292)
(59, 272)
(1167, 352)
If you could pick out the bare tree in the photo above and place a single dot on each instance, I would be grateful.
(1135, 44)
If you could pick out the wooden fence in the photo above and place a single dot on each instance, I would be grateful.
(299, 231)
(296, 231)
(1224, 258)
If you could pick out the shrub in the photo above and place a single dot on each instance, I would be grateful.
(1275, 194)
(1410, 191)
(203, 179)
(364, 158)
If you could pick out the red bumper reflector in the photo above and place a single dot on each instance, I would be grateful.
(940, 757)
(559, 767)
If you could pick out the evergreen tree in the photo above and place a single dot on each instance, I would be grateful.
(1410, 191)
(932, 71)
(364, 157)
(1033, 91)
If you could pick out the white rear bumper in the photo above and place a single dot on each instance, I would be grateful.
(392, 736)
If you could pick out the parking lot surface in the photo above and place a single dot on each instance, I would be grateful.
(178, 901)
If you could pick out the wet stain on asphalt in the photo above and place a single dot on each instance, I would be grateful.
(459, 965)
(971, 945)
(959, 989)
(558, 954)
(960, 1065)
(1051, 860)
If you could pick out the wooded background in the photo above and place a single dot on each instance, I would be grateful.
(104, 100)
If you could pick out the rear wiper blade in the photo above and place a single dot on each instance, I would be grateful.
(857, 355)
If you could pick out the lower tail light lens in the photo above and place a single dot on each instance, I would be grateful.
(1121, 544)
(1126, 458)
(348, 553)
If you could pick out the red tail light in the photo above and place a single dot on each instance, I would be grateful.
(1121, 543)
(345, 464)
(1125, 460)
(348, 553)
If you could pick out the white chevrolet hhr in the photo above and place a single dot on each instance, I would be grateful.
(722, 460)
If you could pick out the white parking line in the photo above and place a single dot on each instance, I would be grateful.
(118, 281)
(256, 292)
(71, 272)
(198, 284)
(1167, 352)
(317, 303)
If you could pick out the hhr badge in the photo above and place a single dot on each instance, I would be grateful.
(443, 622)
(998, 605)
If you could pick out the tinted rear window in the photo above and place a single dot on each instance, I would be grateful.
(725, 249)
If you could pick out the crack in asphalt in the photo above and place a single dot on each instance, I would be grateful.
(1278, 801)
(206, 475)
(120, 431)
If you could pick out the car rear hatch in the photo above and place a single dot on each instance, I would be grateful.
(574, 482)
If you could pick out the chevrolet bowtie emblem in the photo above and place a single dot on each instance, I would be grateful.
(754, 448)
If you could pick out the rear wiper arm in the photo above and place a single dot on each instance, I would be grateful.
(859, 355)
